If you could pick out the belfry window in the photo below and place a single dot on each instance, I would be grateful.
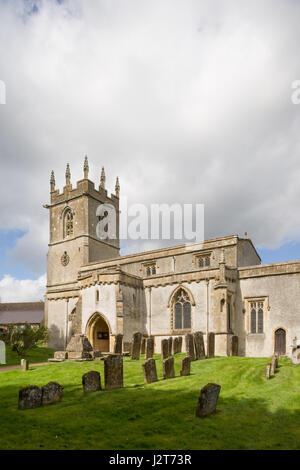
(182, 311)
(68, 223)
(150, 269)
(203, 261)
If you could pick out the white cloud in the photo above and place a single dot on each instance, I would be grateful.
(14, 290)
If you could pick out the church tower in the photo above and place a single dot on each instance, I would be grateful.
(75, 217)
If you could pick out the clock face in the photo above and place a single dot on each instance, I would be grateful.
(65, 259)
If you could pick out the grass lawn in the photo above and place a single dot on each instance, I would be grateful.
(252, 413)
(39, 354)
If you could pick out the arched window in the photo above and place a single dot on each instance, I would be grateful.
(182, 311)
(253, 321)
(68, 223)
(260, 321)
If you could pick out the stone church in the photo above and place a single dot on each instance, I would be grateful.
(216, 286)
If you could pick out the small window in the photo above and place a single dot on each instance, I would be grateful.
(203, 261)
(207, 261)
(150, 269)
(153, 270)
(253, 321)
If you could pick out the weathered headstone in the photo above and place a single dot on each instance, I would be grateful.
(208, 399)
(113, 372)
(268, 371)
(170, 345)
(136, 346)
(234, 345)
(149, 347)
(51, 393)
(61, 355)
(276, 355)
(118, 347)
(149, 369)
(164, 348)
(79, 347)
(211, 345)
(185, 366)
(273, 365)
(143, 345)
(30, 397)
(175, 345)
(199, 345)
(168, 368)
(24, 364)
(179, 344)
(91, 381)
(2, 353)
(189, 346)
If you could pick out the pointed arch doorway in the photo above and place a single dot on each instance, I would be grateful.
(280, 341)
(98, 332)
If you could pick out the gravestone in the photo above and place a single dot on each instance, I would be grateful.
(79, 347)
(24, 364)
(149, 347)
(268, 371)
(175, 345)
(211, 345)
(168, 368)
(51, 393)
(273, 365)
(189, 346)
(30, 397)
(61, 355)
(143, 345)
(170, 345)
(234, 345)
(113, 372)
(185, 366)
(208, 399)
(118, 347)
(2, 353)
(91, 381)
(276, 355)
(199, 345)
(164, 349)
(149, 369)
(136, 346)
(179, 344)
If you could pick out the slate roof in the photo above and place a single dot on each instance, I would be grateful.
(21, 312)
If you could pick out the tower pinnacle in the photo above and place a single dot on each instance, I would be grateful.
(102, 179)
(86, 168)
(68, 175)
(117, 187)
(52, 182)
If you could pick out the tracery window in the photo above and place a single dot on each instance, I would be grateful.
(182, 311)
(203, 261)
(68, 223)
(257, 317)
(151, 269)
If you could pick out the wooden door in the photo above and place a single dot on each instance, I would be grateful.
(280, 341)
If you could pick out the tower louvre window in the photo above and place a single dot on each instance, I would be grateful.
(68, 223)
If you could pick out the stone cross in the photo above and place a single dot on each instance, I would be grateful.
(234, 345)
(118, 347)
(91, 381)
(164, 348)
(268, 371)
(149, 347)
(208, 399)
(2, 353)
(113, 372)
(168, 368)
(199, 345)
(211, 345)
(149, 369)
(136, 346)
(189, 346)
(170, 345)
(185, 366)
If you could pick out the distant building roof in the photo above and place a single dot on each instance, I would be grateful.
(21, 312)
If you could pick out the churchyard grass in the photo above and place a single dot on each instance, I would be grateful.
(35, 355)
(252, 412)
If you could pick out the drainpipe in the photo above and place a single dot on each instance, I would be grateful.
(207, 308)
(67, 320)
(150, 311)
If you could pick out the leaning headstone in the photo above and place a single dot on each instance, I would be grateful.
(168, 368)
(170, 345)
(149, 369)
(273, 365)
(2, 353)
(24, 364)
(179, 344)
(143, 345)
(199, 345)
(211, 345)
(51, 393)
(149, 347)
(118, 344)
(234, 345)
(30, 397)
(113, 372)
(276, 355)
(136, 346)
(268, 371)
(175, 345)
(164, 349)
(208, 399)
(185, 366)
(91, 381)
(189, 346)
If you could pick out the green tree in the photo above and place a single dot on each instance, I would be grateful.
(22, 338)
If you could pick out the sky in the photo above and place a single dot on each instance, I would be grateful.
(187, 102)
